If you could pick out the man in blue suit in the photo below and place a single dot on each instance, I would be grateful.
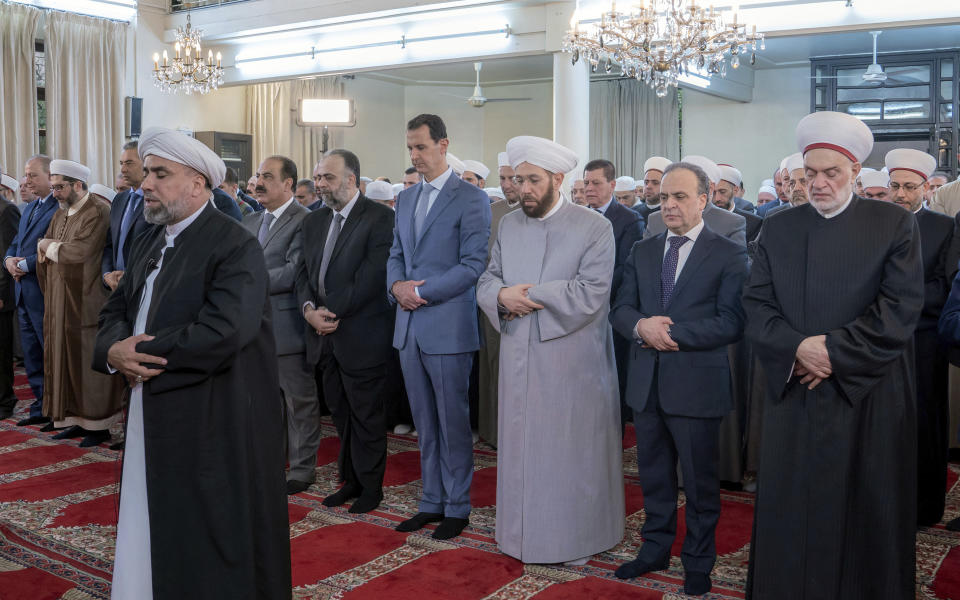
(439, 251)
(20, 261)
(126, 218)
(679, 378)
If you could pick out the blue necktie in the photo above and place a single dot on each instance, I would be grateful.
(421, 215)
(125, 225)
(668, 272)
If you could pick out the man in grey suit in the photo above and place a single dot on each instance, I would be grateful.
(277, 228)
(439, 251)
(729, 225)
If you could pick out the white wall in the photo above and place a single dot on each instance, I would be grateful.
(378, 137)
(752, 136)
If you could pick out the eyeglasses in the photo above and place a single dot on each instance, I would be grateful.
(532, 180)
(58, 187)
(908, 187)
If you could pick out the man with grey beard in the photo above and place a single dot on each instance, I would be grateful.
(349, 321)
(203, 511)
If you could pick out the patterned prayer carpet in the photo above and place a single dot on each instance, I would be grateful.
(58, 511)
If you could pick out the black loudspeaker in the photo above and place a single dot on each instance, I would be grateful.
(132, 116)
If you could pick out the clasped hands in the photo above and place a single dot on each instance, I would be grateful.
(322, 320)
(12, 268)
(123, 357)
(813, 361)
(516, 300)
(406, 294)
(655, 332)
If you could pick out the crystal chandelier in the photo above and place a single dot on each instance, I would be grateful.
(660, 41)
(190, 73)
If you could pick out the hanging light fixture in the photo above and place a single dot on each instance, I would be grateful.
(662, 40)
(188, 72)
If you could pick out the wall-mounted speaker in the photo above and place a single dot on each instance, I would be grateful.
(132, 116)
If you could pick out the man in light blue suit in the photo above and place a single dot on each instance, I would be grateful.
(439, 251)
(20, 260)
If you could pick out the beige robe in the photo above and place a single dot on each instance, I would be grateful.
(559, 454)
(69, 274)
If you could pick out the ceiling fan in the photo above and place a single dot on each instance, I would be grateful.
(477, 100)
(875, 73)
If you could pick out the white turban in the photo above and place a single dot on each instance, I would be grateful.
(541, 152)
(874, 179)
(10, 183)
(709, 167)
(840, 132)
(475, 166)
(103, 191)
(365, 180)
(768, 189)
(656, 163)
(68, 168)
(794, 162)
(783, 164)
(183, 149)
(503, 160)
(495, 193)
(911, 160)
(456, 164)
(767, 182)
(625, 184)
(397, 188)
(731, 174)
(379, 190)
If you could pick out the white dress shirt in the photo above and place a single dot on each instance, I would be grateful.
(345, 211)
(836, 212)
(279, 211)
(603, 209)
(686, 249)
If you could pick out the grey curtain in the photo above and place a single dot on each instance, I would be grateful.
(18, 102)
(629, 124)
(271, 119)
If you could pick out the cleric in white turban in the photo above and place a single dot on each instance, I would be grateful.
(103, 192)
(625, 190)
(68, 168)
(183, 149)
(475, 172)
(547, 291)
(834, 296)
(456, 164)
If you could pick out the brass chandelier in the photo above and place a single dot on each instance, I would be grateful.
(659, 41)
(188, 73)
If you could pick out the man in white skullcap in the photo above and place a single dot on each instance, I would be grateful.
(489, 355)
(546, 290)
(834, 295)
(727, 224)
(876, 185)
(625, 191)
(653, 170)
(9, 223)
(76, 398)
(9, 189)
(381, 191)
(726, 196)
(794, 184)
(102, 192)
(189, 328)
(910, 172)
(733, 175)
(766, 194)
(456, 164)
(495, 194)
(475, 172)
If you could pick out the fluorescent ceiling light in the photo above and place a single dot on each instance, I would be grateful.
(118, 10)
(315, 112)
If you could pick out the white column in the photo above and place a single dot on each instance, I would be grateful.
(571, 109)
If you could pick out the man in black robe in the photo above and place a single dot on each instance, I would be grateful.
(909, 173)
(203, 510)
(834, 296)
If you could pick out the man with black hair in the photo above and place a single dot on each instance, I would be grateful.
(439, 251)
(411, 177)
(126, 218)
(232, 188)
(306, 194)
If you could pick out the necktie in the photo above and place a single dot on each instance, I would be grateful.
(421, 214)
(327, 253)
(668, 273)
(126, 224)
(33, 213)
(265, 227)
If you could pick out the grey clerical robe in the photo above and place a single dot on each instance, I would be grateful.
(559, 472)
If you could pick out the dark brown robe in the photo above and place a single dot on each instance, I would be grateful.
(69, 275)
(836, 500)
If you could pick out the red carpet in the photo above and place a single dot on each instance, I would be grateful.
(58, 508)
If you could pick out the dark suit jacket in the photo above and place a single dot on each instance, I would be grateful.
(953, 252)
(25, 245)
(354, 283)
(316, 205)
(753, 223)
(762, 210)
(226, 204)
(627, 230)
(777, 209)
(936, 234)
(644, 211)
(707, 314)
(109, 261)
(254, 204)
(745, 205)
(9, 223)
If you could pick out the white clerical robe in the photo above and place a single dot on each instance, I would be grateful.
(559, 466)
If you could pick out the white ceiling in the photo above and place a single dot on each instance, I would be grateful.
(786, 51)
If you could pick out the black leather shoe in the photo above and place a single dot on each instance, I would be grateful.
(366, 502)
(347, 492)
(696, 584)
(118, 446)
(418, 521)
(638, 567)
(71, 432)
(49, 427)
(295, 487)
(450, 528)
(95, 438)
(32, 421)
